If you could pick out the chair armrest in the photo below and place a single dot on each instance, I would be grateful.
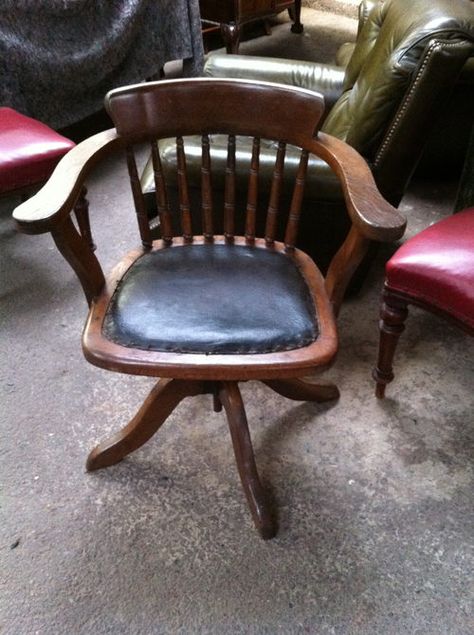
(370, 213)
(55, 200)
(322, 78)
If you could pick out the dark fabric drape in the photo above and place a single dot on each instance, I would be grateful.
(58, 58)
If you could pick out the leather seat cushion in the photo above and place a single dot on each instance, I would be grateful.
(437, 266)
(29, 150)
(212, 298)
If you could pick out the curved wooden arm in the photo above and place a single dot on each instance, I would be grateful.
(370, 213)
(55, 200)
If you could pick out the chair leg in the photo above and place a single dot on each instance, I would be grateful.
(231, 36)
(160, 403)
(303, 390)
(81, 210)
(393, 314)
(268, 27)
(231, 399)
(295, 15)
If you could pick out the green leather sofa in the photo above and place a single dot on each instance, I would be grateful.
(402, 69)
(446, 146)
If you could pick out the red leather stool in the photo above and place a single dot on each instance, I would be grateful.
(433, 270)
(29, 152)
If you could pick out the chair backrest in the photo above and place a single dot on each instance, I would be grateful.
(148, 112)
(152, 111)
(407, 57)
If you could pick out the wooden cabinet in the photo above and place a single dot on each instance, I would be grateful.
(232, 14)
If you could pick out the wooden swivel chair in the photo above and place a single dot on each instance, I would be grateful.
(204, 312)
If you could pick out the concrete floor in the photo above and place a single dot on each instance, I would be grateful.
(375, 499)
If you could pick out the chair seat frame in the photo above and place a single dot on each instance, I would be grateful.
(106, 354)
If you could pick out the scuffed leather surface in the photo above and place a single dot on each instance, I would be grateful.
(437, 266)
(58, 58)
(344, 53)
(29, 150)
(212, 299)
(326, 79)
(365, 7)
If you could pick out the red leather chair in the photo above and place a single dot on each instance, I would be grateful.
(29, 152)
(433, 270)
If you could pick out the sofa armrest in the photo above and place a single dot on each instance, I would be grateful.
(326, 79)
(345, 51)
(365, 8)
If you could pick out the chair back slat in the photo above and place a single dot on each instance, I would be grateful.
(158, 110)
(138, 199)
(296, 201)
(252, 197)
(162, 204)
(206, 190)
(229, 191)
(183, 192)
(275, 193)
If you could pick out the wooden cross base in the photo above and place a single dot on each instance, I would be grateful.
(164, 398)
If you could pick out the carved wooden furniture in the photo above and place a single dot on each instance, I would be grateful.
(232, 14)
(204, 312)
(433, 270)
(29, 152)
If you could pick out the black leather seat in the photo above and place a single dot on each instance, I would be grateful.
(213, 299)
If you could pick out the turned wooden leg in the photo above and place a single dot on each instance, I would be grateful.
(231, 35)
(159, 404)
(393, 313)
(216, 402)
(295, 15)
(267, 27)
(81, 210)
(231, 399)
(304, 390)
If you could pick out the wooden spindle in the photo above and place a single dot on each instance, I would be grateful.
(206, 191)
(138, 199)
(251, 213)
(81, 211)
(82, 260)
(275, 192)
(296, 201)
(229, 191)
(162, 205)
(183, 192)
